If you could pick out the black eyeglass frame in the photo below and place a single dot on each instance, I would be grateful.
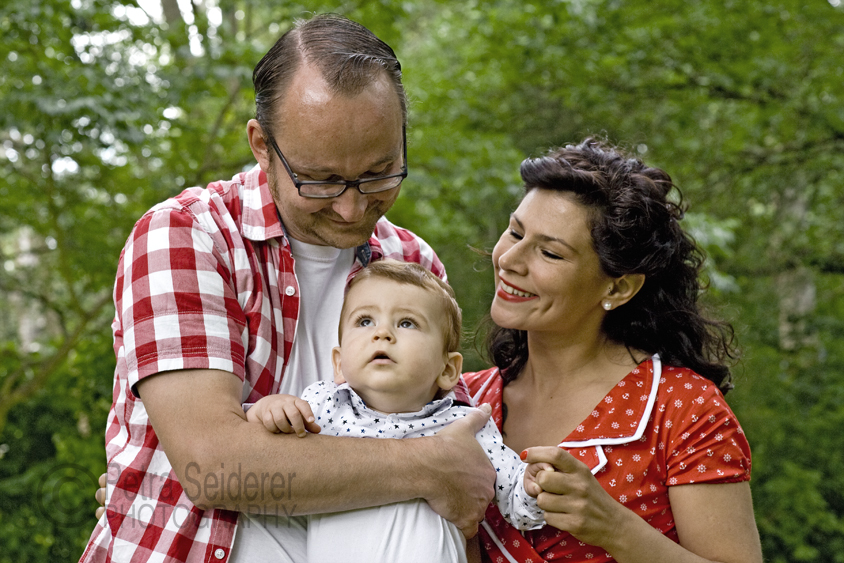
(345, 183)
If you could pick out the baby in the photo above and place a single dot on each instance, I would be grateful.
(394, 372)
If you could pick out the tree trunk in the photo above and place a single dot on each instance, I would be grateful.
(797, 302)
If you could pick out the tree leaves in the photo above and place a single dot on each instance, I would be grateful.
(108, 111)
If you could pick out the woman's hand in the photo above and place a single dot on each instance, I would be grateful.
(571, 497)
(714, 521)
(531, 486)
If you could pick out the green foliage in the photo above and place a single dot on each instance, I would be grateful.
(108, 111)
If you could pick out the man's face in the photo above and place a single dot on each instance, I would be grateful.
(327, 136)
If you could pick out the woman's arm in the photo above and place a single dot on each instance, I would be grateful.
(714, 522)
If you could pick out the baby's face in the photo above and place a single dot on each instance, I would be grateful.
(392, 350)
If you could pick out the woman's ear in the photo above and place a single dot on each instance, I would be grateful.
(451, 372)
(335, 361)
(623, 290)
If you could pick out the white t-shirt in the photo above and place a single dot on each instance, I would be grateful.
(322, 273)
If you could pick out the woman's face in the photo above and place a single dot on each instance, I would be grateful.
(547, 274)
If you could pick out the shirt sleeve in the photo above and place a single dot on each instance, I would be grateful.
(320, 396)
(705, 442)
(517, 507)
(176, 304)
(404, 245)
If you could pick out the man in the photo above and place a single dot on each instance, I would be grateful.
(210, 314)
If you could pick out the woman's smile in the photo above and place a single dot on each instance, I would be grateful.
(509, 292)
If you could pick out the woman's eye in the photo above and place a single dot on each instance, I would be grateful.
(515, 234)
(407, 323)
(551, 255)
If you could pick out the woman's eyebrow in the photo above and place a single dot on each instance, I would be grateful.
(544, 238)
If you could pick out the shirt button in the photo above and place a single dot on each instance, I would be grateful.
(289, 291)
(219, 553)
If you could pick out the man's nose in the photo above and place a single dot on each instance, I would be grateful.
(351, 205)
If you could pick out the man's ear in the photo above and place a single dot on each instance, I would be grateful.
(335, 361)
(624, 289)
(451, 372)
(260, 148)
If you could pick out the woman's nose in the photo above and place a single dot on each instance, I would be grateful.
(510, 258)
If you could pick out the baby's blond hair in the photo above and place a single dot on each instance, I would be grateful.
(412, 273)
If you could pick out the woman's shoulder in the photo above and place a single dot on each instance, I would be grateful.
(487, 387)
(477, 380)
(684, 382)
(702, 438)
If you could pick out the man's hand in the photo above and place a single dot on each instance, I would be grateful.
(100, 495)
(464, 479)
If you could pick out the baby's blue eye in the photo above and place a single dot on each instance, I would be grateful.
(407, 323)
(365, 321)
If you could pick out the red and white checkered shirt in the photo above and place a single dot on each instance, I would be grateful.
(205, 281)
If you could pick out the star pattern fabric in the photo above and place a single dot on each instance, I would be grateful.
(341, 412)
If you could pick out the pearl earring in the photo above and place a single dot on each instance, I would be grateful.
(607, 305)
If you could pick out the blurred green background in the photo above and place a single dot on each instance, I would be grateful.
(109, 106)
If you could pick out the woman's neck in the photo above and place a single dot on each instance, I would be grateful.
(555, 362)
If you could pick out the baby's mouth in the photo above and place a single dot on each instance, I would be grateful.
(380, 357)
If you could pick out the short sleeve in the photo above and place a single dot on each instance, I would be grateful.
(390, 241)
(176, 302)
(705, 442)
(318, 395)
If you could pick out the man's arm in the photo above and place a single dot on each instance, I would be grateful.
(198, 418)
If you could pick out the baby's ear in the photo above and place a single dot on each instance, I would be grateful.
(451, 372)
(335, 361)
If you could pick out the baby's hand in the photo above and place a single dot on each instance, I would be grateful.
(531, 486)
(284, 413)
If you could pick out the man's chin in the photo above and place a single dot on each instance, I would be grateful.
(344, 237)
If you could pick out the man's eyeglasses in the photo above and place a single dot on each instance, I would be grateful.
(327, 189)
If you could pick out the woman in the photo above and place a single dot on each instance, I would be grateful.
(601, 349)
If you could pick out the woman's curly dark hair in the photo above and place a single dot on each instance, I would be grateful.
(635, 230)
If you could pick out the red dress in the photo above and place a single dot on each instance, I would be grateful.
(649, 433)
